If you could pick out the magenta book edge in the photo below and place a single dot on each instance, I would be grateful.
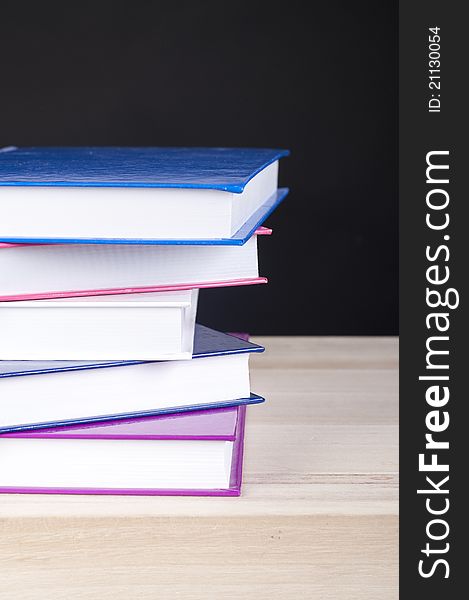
(119, 492)
(238, 453)
(135, 290)
(234, 489)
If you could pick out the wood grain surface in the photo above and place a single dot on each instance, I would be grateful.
(318, 518)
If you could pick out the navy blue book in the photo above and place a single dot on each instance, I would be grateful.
(136, 195)
(38, 394)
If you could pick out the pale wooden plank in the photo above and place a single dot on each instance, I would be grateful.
(334, 494)
(280, 557)
(327, 352)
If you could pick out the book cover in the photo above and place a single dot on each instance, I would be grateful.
(224, 169)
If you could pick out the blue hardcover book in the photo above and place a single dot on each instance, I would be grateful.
(38, 394)
(136, 195)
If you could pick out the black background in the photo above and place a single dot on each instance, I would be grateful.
(319, 79)
(420, 133)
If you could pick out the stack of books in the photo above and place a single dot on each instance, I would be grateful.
(107, 383)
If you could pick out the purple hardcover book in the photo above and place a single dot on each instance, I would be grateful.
(189, 454)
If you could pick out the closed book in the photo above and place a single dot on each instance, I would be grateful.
(149, 326)
(41, 394)
(197, 454)
(136, 195)
(41, 271)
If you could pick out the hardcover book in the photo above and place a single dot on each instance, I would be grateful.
(150, 326)
(41, 271)
(41, 394)
(136, 195)
(153, 326)
(198, 454)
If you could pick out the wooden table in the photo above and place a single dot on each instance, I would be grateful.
(317, 519)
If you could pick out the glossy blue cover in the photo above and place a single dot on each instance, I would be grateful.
(207, 342)
(253, 399)
(238, 239)
(226, 169)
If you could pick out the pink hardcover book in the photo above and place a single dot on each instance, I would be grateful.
(196, 454)
(46, 271)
